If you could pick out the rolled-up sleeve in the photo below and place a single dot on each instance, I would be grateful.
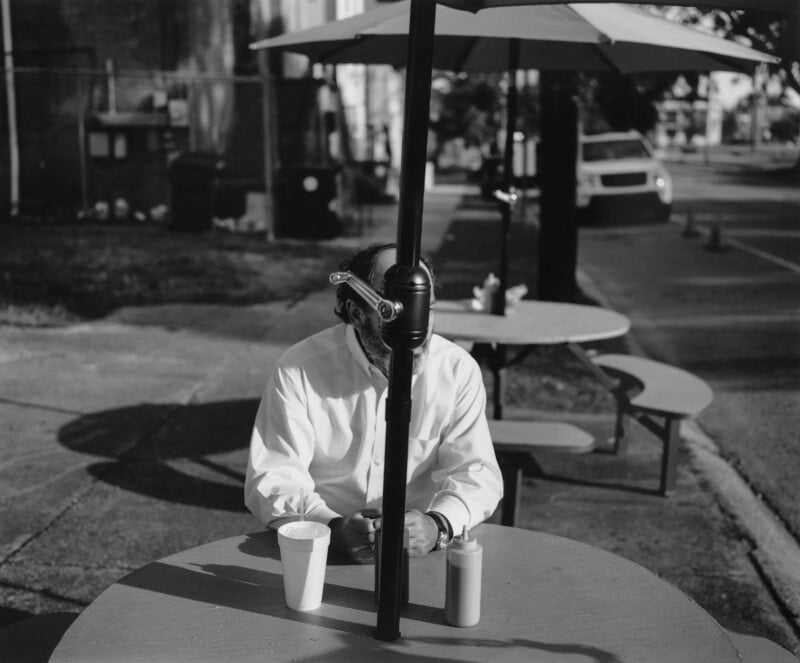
(468, 481)
(281, 449)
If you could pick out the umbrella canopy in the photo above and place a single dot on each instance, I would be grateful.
(571, 37)
(589, 37)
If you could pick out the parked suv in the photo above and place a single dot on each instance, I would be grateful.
(618, 173)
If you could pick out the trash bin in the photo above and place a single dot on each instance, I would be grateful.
(307, 201)
(194, 177)
(373, 180)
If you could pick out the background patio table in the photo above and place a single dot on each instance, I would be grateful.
(545, 598)
(528, 323)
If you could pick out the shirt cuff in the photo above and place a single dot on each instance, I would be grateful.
(320, 514)
(454, 510)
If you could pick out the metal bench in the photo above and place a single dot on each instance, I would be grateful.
(658, 396)
(515, 442)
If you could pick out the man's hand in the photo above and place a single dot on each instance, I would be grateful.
(422, 533)
(354, 535)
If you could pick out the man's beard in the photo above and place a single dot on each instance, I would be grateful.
(380, 354)
(376, 350)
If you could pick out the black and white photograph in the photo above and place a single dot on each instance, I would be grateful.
(400, 330)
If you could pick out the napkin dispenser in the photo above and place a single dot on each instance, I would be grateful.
(482, 297)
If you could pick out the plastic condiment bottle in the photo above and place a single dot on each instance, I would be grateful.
(490, 287)
(463, 581)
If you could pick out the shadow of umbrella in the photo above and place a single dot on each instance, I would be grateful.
(178, 453)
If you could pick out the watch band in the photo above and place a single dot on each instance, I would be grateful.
(445, 530)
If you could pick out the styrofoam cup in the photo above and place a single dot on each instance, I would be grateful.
(304, 554)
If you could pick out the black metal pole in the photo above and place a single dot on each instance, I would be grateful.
(557, 241)
(506, 207)
(408, 284)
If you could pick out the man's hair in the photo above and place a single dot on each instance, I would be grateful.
(362, 265)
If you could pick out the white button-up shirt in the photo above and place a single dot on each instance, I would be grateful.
(320, 431)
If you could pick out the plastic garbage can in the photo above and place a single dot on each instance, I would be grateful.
(194, 178)
(307, 202)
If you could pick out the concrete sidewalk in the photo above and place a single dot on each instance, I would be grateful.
(125, 441)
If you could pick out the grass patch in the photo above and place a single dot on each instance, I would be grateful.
(50, 274)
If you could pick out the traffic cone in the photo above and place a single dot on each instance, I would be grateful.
(716, 239)
(689, 230)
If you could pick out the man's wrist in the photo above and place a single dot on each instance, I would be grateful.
(445, 530)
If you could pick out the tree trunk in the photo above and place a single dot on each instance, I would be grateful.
(558, 226)
(210, 54)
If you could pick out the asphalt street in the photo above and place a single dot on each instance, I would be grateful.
(730, 315)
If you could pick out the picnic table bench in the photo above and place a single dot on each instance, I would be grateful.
(659, 396)
(517, 442)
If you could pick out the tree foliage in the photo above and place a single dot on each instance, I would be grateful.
(474, 108)
(615, 102)
(773, 32)
(464, 107)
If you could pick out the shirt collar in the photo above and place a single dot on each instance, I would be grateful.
(358, 354)
(372, 371)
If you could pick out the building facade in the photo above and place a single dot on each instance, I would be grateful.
(111, 94)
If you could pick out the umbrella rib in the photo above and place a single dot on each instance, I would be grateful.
(459, 63)
(734, 65)
(339, 48)
(604, 38)
(329, 54)
(605, 58)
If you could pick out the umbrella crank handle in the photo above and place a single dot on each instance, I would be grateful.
(387, 309)
(509, 198)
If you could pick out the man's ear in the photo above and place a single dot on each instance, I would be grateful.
(355, 313)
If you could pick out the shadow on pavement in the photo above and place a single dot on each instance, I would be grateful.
(33, 639)
(188, 454)
(160, 481)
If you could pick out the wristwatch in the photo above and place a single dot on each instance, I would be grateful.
(445, 531)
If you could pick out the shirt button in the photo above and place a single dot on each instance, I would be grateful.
(376, 462)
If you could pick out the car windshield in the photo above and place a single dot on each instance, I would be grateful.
(630, 148)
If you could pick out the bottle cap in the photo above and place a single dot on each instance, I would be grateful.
(464, 542)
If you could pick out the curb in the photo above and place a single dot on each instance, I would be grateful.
(774, 550)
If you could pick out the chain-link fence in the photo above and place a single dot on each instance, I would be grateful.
(87, 137)
(187, 149)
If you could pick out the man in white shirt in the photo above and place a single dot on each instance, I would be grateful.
(318, 439)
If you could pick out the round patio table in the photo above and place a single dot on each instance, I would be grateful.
(545, 599)
(529, 322)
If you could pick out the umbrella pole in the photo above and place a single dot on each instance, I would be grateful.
(507, 205)
(407, 283)
(506, 208)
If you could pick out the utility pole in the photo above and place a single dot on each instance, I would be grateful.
(11, 100)
(272, 19)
